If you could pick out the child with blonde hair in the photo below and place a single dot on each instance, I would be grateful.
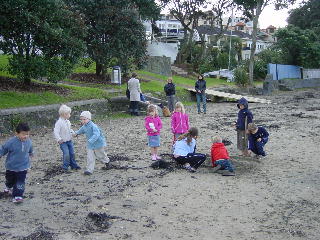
(63, 135)
(179, 121)
(96, 142)
(153, 126)
(220, 157)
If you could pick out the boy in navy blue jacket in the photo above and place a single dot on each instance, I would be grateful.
(18, 150)
(244, 118)
(258, 137)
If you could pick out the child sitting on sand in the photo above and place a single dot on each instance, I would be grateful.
(258, 137)
(220, 158)
(184, 151)
(96, 142)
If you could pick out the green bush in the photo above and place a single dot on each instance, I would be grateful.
(241, 76)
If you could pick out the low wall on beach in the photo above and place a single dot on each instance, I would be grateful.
(45, 116)
(270, 85)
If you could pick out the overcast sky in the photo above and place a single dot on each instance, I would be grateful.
(270, 16)
(278, 19)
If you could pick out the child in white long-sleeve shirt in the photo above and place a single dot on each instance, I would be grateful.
(63, 135)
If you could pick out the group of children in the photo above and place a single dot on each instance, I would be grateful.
(19, 148)
(184, 139)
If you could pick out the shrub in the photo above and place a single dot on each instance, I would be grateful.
(241, 76)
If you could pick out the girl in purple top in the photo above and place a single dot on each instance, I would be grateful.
(153, 126)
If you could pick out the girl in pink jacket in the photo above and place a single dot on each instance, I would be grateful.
(179, 121)
(153, 126)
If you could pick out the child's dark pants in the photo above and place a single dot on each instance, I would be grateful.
(258, 148)
(194, 159)
(16, 180)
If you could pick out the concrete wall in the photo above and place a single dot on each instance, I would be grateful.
(311, 73)
(46, 116)
(270, 85)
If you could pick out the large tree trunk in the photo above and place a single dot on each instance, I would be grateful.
(99, 68)
(255, 20)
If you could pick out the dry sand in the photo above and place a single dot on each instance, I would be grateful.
(273, 198)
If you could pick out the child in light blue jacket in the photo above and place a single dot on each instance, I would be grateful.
(18, 150)
(96, 142)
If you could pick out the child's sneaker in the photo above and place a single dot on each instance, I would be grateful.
(17, 200)
(154, 157)
(87, 173)
(107, 166)
(216, 168)
(190, 169)
(158, 157)
(228, 173)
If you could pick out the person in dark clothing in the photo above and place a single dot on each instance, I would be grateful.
(170, 90)
(244, 118)
(200, 88)
(258, 137)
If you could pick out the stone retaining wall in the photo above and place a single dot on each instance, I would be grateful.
(46, 116)
(289, 84)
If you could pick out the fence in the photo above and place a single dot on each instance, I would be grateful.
(311, 73)
(280, 71)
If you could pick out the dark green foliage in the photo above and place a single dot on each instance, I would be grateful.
(42, 36)
(299, 47)
(307, 16)
(261, 62)
(115, 32)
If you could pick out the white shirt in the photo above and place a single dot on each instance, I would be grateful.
(62, 130)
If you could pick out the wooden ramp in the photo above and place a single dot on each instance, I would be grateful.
(233, 96)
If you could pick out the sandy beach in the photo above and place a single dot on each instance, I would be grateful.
(276, 197)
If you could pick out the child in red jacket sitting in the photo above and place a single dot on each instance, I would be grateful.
(220, 158)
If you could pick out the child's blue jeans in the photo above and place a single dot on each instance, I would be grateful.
(225, 164)
(68, 156)
(201, 97)
(16, 180)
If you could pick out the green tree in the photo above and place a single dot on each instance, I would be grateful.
(115, 30)
(307, 16)
(42, 36)
(252, 9)
(299, 47)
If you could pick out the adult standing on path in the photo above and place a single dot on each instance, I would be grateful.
(200, 88)
(170, 90)
(135, 91)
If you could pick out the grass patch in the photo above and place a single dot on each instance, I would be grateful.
(11, 99)
(4, 63)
